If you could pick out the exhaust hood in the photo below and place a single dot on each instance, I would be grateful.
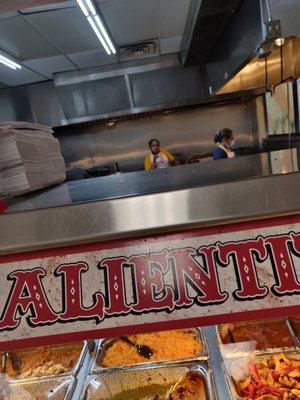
(126, 88)
(244, 56)
(281, 65)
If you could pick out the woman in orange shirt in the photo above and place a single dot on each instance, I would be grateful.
(158, 158)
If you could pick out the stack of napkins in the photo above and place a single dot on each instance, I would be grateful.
(30, 158)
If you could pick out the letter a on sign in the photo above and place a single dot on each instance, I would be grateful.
(27, 293)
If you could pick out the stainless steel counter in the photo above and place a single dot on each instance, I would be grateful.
(162, 180)
(142, 182)
(211, 193)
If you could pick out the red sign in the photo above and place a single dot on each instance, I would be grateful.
(211, 275)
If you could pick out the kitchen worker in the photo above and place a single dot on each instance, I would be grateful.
(224, 140)
(158, 158)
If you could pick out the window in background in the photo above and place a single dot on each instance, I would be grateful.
(280, 109)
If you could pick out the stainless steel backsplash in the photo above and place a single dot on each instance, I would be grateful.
(183, 133)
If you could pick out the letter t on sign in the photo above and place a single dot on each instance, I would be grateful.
(242, 255)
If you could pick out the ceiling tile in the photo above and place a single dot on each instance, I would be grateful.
(50, 65)
(18, 77)
(170, 45)
(173, 14)
(131, 21)
(48, 7)
(67, 29)
(92, 58)
(21, 41)
(9, 14)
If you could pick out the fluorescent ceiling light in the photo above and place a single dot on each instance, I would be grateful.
(107, 38)
(89, 11)
(93, 25)
(91, 7)
(9, 63)
(83, 7)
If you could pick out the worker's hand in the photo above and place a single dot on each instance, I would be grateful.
(155, 157)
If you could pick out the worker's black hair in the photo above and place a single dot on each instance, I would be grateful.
(224, 133)
(153, 140)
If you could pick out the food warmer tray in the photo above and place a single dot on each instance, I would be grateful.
(233, 349)
(72, 372)
(148, 380)
(104, 344)
(237, 364)
(54, 388)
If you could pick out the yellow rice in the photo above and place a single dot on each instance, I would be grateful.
(167, 345)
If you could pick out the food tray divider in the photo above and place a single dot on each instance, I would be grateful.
(78, 365)
(297, 338)
(230, 385)
(71, 389)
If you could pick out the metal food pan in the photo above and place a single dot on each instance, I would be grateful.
(296, 332)
(144, 382)
(106, 343)
(59, 388)
(239, 365)
(82, 347)
(234, 349)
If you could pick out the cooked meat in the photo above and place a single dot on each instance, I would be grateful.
(42, 361)
(190, 387)
(273, 378)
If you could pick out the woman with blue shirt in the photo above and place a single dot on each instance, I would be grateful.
(224, 140)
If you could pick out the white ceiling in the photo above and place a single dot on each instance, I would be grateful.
(58, 38)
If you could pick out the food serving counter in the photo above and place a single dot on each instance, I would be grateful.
(204, 173)
(238, 189)
(212, 255)
(110, 369)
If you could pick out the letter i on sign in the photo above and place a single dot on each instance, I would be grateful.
(72, 294)
(115, 285)
(282, 263)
